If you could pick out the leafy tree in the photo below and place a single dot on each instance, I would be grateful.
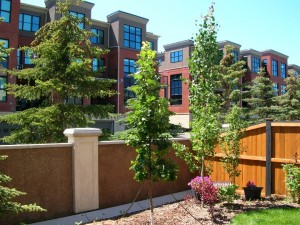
(7, 205)
(261, 98)
(204, 101)
(230, 142)
(62, 57)
(230, 74)
(149, 120)
(289, 103)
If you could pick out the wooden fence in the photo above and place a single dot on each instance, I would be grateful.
(266, 147)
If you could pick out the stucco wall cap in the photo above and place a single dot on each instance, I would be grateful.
(82, 132)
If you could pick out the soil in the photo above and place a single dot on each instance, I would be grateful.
(190, 212)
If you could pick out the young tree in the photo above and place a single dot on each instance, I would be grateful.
(62, 57)
(230, 75)
(230, 142)
(7, 205)
(289, 103)
(261, 98)
(204, 100)
(149, 120)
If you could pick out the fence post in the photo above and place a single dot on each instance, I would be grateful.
(268, 157)
(85, 168)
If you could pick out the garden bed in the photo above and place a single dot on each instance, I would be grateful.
(190, 212)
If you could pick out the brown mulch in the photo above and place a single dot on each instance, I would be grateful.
(190, 212)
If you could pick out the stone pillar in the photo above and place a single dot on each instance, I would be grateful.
(85, 168)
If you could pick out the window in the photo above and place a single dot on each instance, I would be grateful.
(129, 68)
(283, 89)
(176, 90)
(99, 38)
(5, 63)
(5, 8)
(74, 100)
(283, 70)
(275, 89)
(98, 65)
(236, 56)
(29, 22)
(132, 37)
(296, 74)
(274, 68)
(176, 56)
(255, 64)
(151, 45)
(27, 58)
(3, 94)
(80, 16)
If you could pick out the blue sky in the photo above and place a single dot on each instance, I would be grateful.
(256, 24)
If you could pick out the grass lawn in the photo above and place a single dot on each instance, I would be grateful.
(288, 216)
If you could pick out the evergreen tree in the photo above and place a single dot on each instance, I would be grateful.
(7, 205)
(260, 98)
(230, 75)
(289, 103)
(62, 57)
(149, 120)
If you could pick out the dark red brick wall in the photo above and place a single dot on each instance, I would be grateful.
(10, 32)
(184, 107)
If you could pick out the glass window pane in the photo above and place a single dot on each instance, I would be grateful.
(138, 31)
(27, 19)
(5, 5)
(35, 27)
(126, 28)
(27, 26)
(5, 16)
(132, 44)
(138, 46)
(126, 43)
(36, 20)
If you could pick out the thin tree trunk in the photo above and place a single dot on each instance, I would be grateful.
(202, 176)
(151, 203)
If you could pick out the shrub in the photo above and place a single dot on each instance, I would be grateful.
(228, 193)
(206, 191)
(292, 180)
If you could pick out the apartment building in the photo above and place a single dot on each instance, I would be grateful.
(173, 66)
(122, 33)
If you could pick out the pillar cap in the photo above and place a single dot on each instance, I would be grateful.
(82, 132)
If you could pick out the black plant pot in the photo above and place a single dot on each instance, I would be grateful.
(252, 193)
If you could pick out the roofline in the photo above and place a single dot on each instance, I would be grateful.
(250, 51)
(126, 15)
(271, 51)
(99, 22)
(179, 44)
(294, 66)
(226, 42)
(151, 35)
(35, 8)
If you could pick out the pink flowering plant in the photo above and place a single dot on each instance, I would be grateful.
(206, 191)
(250, 184)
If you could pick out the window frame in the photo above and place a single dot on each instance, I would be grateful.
(130, 35)
(276, 89)
(176, 56)
(32, 17)
(283, 89)
(2, 11)
(6, 57)
(255, 64)
(3, 89)
(96, 66)
(275, 68)
(283, 71)
(129, 68)
(99, 38)
(76, 14)
(176, 89)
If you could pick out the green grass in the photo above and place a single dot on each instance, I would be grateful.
(283, 216)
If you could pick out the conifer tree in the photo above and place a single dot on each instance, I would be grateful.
(289, 102)
(62, 55)
(230, 75)
(260, 98)
(149, 120)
